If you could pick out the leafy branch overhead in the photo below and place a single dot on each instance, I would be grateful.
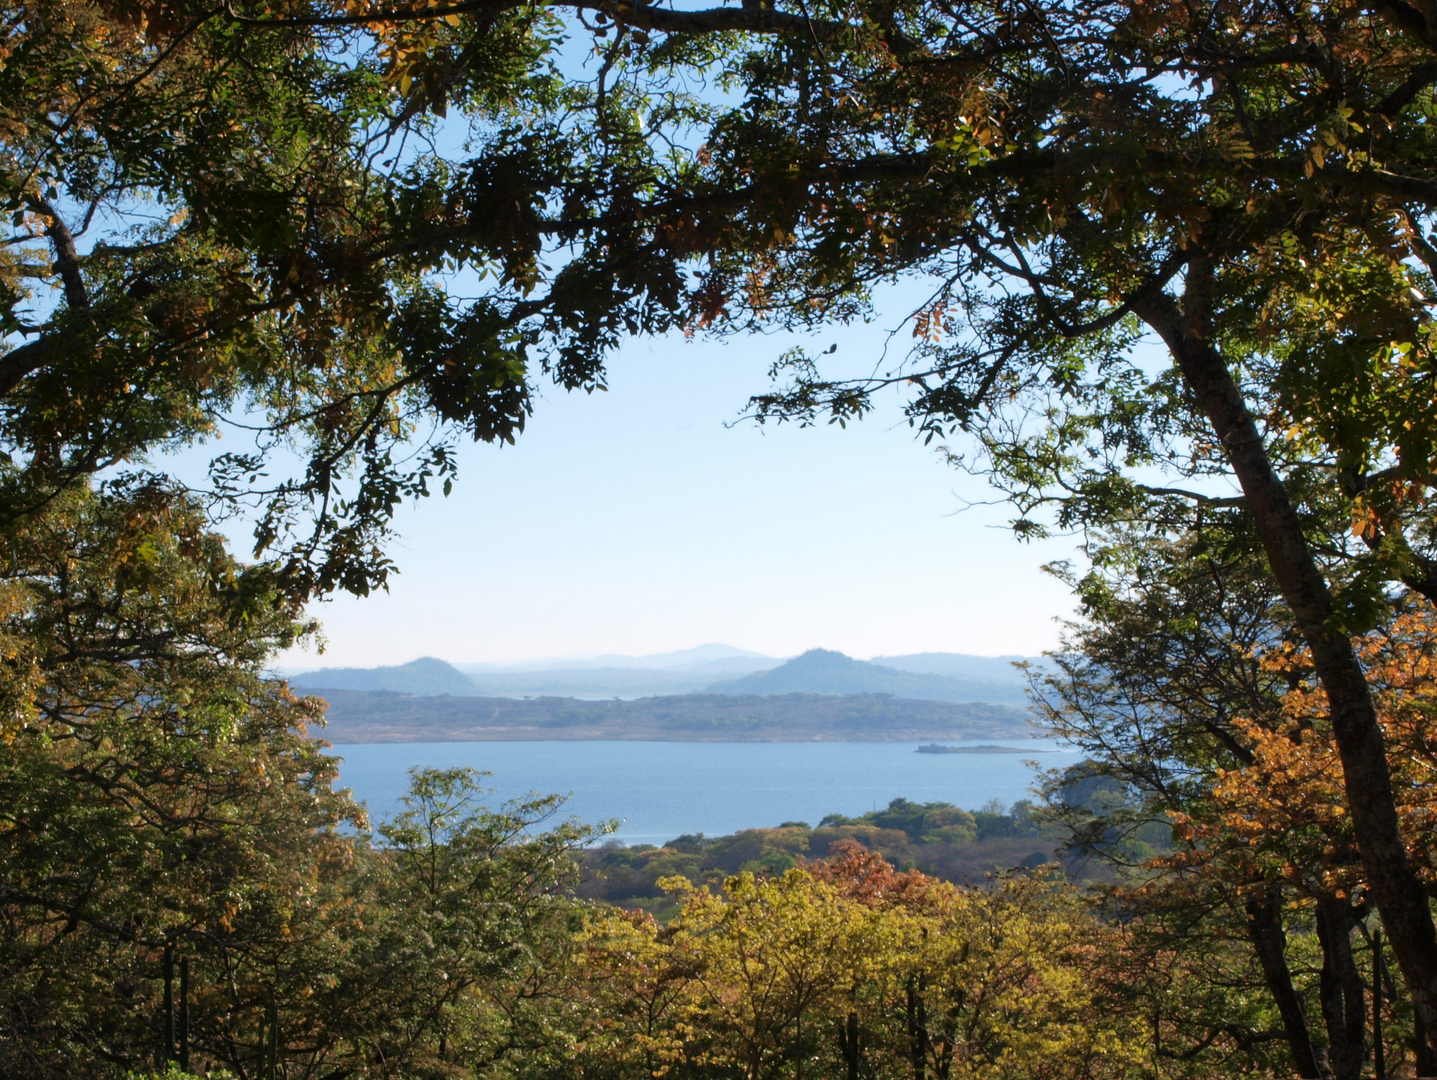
(222, 230)
(345, 225)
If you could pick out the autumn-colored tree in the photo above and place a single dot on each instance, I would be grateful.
(776, 959)
(1160, 685)
(849, 969)
(1281, 815)
(1291, 785)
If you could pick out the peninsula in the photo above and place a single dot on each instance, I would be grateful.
(357, 716)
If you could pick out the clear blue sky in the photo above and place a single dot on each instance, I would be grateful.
(635, 521)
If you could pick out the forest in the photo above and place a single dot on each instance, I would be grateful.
(266, 264)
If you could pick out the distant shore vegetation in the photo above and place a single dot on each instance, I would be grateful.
(936, 839)
(357, 716)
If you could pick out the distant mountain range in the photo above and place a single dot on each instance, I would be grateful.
(951, 677)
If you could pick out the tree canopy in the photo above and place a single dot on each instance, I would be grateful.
(1180, 260)
(258, 225)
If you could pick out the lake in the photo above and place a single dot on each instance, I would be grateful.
(660, 790)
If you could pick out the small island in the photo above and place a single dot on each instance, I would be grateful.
(985, 748)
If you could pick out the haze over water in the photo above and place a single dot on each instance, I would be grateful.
(660, 790)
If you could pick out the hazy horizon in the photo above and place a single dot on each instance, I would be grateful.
(537, 662)
(628, 521)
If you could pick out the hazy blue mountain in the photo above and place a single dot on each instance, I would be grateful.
(713, 657)
(997, 669)
(822, 671)
(592, 682)
(425, 676)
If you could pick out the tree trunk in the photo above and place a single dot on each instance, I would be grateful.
(1422, 1049)
(1368, 784)
(848, 1044)
(1264, 929)
(917, 1028)
(1343, 1008)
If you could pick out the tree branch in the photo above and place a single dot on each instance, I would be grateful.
(754, 19)
(1196, 496)
(67, 259)
(20, 362)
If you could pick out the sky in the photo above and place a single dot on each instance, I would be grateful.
(644, 519)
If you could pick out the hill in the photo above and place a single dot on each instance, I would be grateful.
(367, 717)
(822, 671)
(423, 676)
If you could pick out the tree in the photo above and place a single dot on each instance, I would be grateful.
(167, 821)
(848, 969)
(472, 932)
(775, 959)
(1283, 809)
(1247, 184)
(1185, 687)
(244, 222)
(160, 800)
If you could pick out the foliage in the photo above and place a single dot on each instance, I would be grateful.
(856, 970)
(162, 803)
(471, 918)
(939, 840)
(1186, 690)
(157, 791)
(254, 211)
(257, 224)
(1285, 802)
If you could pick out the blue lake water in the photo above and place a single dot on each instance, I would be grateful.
(660, 790)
